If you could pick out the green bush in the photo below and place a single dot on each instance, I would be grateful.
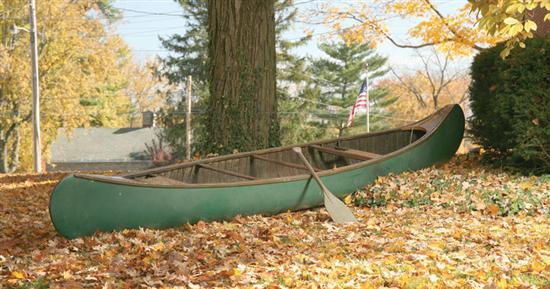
(510, 101)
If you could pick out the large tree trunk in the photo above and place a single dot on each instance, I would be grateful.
(4, 164)
(242, 109)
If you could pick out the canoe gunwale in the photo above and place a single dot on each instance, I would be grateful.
(438, 117)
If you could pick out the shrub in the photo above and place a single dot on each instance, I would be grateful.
(510, 102)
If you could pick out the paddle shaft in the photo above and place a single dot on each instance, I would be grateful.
(312, 171)
(337, 210)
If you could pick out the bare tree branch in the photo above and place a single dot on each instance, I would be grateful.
(387, 36)
(411, 88)
(393, 41)
(436, 71)
(442, 82)
(428, 75)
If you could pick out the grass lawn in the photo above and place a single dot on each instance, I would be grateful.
(459, 225)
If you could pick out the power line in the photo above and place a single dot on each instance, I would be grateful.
(99, 17)
(149, 31)
(148, 20)
(173, 13)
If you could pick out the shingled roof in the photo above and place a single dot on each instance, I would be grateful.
(102, 144)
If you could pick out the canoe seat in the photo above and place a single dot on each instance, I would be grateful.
(345, 152)
(160, 180)
(283, 163)
(361, 153)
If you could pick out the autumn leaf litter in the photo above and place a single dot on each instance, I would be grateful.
(456, 226)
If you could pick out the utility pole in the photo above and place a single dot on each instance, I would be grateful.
(35, 90)
(188, 117)
(368, 98)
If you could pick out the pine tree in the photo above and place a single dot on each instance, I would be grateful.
(293, 76)
(297, 125)
(338, 77)
(190, 57)
(190, 50)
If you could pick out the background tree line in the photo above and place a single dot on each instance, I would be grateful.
(313, 95)
(258, 93)
(87, 74)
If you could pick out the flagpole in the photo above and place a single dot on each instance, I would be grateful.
(368, 98)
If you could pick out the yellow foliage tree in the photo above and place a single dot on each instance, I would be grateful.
(513, 20)
(148, 89)
(81, 78)
(459, 33)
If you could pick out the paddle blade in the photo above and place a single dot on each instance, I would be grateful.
(337, 210)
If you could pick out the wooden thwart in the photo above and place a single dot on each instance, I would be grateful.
(282, 163)
(231, 173)
(350, 153)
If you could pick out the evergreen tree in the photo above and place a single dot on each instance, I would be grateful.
(290, 67)
(293, 76)
(339, 78)
(297, 125)
(190, 50)
(190, 57)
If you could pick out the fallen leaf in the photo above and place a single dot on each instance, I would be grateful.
(526, 185)
(420, 229)
(537, 266)
(18, 275)
(67, 275)
(480, 206)
(348, 200)
(159, 246)
(493, 209)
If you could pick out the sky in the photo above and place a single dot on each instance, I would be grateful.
(145, 21)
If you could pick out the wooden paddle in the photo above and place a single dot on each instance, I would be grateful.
(337, 210)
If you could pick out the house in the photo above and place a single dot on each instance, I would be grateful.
(99, 148)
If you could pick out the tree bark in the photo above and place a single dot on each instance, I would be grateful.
(14, 152)
(4, 148)
(3, 157)
(9, 159)
(242, 109)
(543, 27)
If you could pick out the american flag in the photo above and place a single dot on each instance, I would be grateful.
(360, 102)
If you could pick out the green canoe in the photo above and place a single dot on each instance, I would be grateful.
(261, 182)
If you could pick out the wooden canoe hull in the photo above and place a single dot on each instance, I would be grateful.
(81, 206)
